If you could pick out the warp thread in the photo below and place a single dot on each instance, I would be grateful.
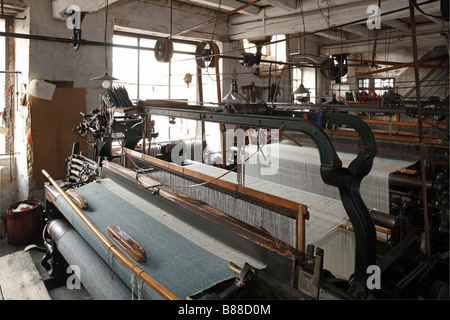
(111, 265)
(133, 280)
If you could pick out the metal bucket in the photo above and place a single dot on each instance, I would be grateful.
(23, 226)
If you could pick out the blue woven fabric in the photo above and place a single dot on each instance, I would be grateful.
(178, 264)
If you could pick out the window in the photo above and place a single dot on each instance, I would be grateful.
(145, 79)
(379, 85)
(307, 76)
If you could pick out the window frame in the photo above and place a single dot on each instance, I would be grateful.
(371, 85)
(163, 122)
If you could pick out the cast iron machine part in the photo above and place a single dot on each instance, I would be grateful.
(129, 129)
(163, 50)
(81, 170)
(205, 54)
(52, 261)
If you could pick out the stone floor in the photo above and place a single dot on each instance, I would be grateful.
(56, 290)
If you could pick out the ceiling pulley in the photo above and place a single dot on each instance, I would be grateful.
(205, 54)
(163, 50)
(334, 67)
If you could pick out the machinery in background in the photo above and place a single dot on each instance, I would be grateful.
(125, 129)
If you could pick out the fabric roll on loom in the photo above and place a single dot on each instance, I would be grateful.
(94, 272)
(168, 246)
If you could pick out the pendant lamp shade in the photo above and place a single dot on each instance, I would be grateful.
(301, 90)
(107, 80)
(234, 94)
(105, 76)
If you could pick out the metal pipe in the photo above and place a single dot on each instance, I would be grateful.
(425, 77)
(407, 180)
(383, 219)
(419, 120)
(127, 262)
(115, 45)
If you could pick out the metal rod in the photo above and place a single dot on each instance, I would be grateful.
(396, 63)
(131, 265)
(384, 220)
(115, 45)
(219, 101)
(423, 79)
(420, 129)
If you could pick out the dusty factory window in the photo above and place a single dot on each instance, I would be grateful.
(125, 65)
(379, 85)
(147, 79)
(307, 77)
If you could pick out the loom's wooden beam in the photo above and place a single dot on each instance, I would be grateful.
(301, 228)
(404, 123)
(291, 207)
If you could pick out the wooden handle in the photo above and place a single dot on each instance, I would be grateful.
(127, 243)
(77, 198)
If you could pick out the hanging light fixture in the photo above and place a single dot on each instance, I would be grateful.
(234, 94)
(106, 78)
(301, 90)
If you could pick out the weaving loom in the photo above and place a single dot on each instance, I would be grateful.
(330, 170)
(166, 230)
(217, 222)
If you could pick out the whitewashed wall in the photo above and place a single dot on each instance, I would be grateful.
(56, 61)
